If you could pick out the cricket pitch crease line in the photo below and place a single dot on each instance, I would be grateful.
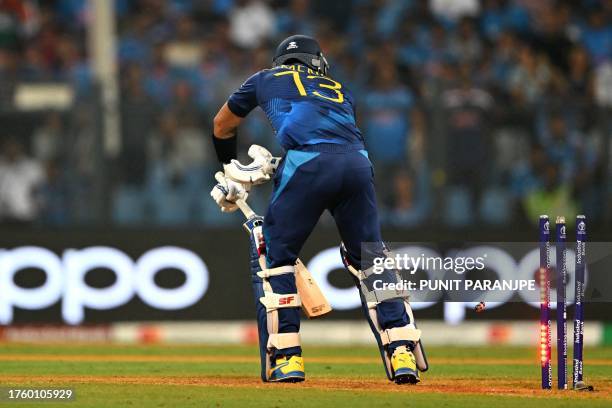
(450, 385)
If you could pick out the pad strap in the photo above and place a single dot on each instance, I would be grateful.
(281, 270)
(359, 274)
(274, 301)
(281, 341)
(400, 333)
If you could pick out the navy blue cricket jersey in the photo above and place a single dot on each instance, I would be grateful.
(304, 107)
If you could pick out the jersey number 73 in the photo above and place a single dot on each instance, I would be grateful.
(333, 85)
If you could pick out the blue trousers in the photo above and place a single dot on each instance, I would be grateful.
(309, 181)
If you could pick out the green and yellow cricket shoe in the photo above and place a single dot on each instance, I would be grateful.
(404, 366)
(288, 370)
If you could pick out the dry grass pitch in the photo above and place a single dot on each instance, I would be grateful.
(189, 376)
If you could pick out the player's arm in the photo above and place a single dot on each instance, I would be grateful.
(226, 191)
(236, 179)
(225, 126)
(226, 123)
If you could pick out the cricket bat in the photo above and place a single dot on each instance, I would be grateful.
(314, 303)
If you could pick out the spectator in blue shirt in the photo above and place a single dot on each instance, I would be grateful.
(597, 37)
(386, 111)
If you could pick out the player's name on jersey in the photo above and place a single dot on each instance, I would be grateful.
(301, 68)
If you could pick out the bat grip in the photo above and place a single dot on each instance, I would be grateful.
(244, 207)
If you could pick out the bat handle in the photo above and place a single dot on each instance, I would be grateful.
(244, 207)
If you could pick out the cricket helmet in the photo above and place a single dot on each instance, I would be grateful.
(301, 48)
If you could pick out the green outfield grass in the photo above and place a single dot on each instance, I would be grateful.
(202, 376)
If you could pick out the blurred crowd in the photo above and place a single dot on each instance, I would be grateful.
(487, 112)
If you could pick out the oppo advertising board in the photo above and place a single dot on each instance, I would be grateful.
(86, 277)
(65, 283)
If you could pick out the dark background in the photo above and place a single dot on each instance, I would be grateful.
(225, 253)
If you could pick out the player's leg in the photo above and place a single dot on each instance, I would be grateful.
(292, 214)
(389, 315)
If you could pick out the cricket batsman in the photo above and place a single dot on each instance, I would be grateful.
(325, 167)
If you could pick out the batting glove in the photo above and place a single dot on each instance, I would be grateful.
(226, 192)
